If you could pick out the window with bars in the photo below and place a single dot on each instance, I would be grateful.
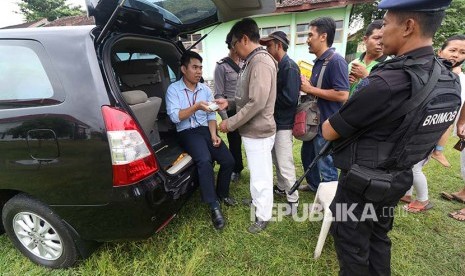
(268, 30)
(190, 40)
(302, 32)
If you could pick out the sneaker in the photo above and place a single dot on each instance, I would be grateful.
(257, 227)
(278, 191)
(292, 209)
(235, 177)
(306, 188)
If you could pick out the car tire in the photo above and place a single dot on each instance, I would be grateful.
(38, 232)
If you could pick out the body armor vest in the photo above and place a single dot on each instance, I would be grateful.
(422, 126)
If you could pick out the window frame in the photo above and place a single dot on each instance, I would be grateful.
(304, 34)
(189, 41)
(275, 28)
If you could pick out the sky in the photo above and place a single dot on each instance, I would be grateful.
(9, 17)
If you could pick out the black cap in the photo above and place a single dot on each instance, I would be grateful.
(279, 35)
(414, 5)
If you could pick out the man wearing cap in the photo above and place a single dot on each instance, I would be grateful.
(287, 96)
(331, 89)
(363, 204)
(226, 73)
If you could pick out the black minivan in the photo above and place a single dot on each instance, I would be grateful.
(87, 151)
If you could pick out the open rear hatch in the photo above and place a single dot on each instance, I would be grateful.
(143, 67)
(169, 18)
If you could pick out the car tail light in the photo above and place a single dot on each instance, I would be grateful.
(131, 156)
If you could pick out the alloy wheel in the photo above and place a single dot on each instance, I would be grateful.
(37, 236)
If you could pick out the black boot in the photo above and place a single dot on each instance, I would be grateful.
(217, 218)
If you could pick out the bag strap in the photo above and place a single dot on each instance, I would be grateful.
(322, 72)
(233, 65)
(323, 69)
(320, 78)
(412, 103)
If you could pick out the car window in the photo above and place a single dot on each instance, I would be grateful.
(175, 11)
(23, 76)
(128, 56)
(135, 56)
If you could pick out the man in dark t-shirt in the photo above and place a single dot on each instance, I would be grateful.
(333, 92)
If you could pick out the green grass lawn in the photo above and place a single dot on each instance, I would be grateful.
(423, 244)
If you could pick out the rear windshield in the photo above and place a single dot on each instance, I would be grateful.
(177, 11)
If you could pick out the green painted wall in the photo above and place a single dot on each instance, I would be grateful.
(214, 47)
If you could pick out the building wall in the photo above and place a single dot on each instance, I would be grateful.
(214, 47)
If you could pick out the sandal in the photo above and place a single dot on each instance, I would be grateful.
(417, 209)
(448, 196)
(457, 215)
(456, 198)
(441, 159)
(406, 199)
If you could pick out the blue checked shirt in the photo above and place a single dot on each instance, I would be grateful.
(180, 97)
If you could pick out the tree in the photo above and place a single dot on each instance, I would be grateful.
(51, 9)
(61, 128)
(364, 14)
(452, 24)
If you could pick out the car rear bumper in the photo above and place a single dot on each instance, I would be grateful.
(135, 211)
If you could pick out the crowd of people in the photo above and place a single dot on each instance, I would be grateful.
(371, 103)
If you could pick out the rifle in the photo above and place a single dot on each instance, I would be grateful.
(325, 150)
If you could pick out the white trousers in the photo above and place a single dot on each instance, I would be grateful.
(259, 161)
(283, 160)
(419, 181)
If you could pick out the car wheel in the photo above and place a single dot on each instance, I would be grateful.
(38, 232)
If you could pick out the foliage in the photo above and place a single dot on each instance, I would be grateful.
(453, 23)
(184, 9)
(351, 46)
(51, 9)
(364, 14)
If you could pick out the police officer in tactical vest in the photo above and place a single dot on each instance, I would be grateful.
(394, 119)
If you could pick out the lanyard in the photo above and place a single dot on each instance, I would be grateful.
(188, 99)
(194, 98)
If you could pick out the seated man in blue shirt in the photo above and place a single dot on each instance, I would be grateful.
(187, 105)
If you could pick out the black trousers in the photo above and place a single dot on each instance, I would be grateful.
(361, 241)
(198, 144)
(235, 142)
